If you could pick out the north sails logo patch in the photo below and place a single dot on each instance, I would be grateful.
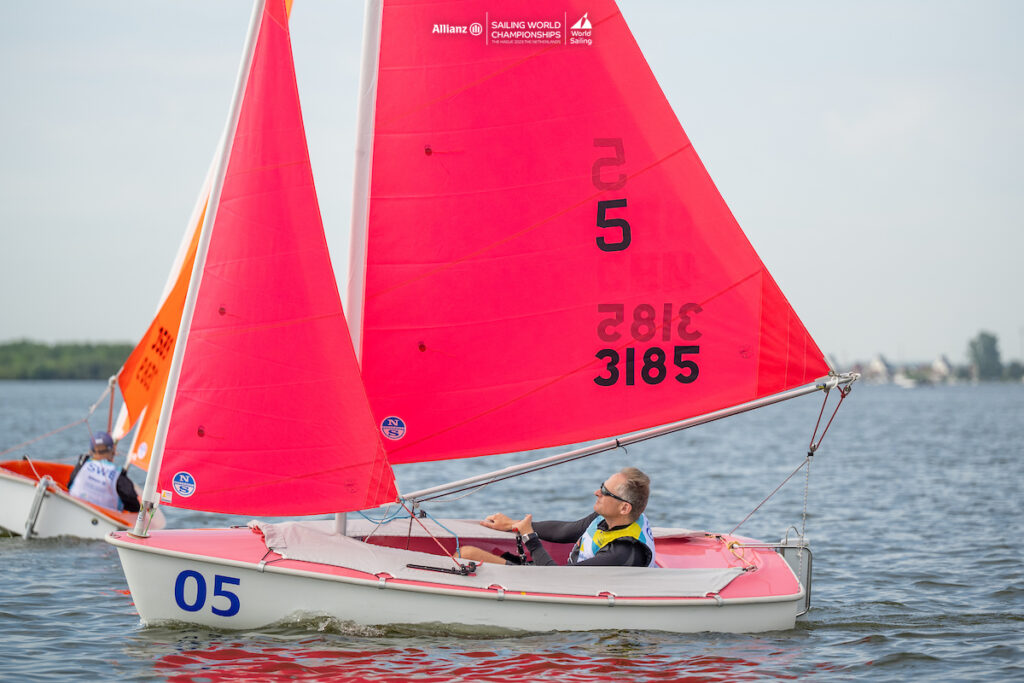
(184, 484)
(392, 428)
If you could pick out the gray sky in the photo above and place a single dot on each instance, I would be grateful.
(870, 150)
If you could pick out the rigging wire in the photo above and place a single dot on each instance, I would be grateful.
(751, 513)
(475, 489)
(843, 393)
(85, 419)
(811, 449)
(412, 516)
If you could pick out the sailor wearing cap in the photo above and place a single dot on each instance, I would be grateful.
(97, 479)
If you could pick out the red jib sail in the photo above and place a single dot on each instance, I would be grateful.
(270, 416)
(547, 259)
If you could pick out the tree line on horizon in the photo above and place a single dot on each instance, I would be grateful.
(25, 359)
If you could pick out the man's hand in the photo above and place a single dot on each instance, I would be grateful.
(503, 522)
(499, 521)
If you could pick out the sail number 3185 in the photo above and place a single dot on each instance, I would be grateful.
(645, 323)
(621, 365)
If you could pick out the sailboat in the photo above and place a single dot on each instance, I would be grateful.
(34, 497)
(538, 259)
(35, 501)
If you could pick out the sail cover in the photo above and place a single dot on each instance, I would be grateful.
(270, 416)
(547, 260)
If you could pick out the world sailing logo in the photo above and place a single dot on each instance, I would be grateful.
(393, 428)
(582, 24)
(580, 32)
(184, 484)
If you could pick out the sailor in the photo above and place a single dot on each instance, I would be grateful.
(97, 480)
(615, 534)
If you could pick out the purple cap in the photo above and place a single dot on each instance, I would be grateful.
(101, 439)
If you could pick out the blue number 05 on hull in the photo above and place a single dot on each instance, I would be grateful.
(220, 584)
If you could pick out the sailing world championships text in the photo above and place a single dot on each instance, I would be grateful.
(510, 30)
(525, 30)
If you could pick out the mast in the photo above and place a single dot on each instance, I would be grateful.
(149, 497)
(366, 107)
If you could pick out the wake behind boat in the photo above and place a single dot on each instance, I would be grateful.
(539, 258)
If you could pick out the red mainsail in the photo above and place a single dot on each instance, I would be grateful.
(547, 260)
(270, 416)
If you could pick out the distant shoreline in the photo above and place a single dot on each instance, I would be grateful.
(25, 359)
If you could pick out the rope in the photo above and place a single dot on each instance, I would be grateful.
(454, 535)
(812, 447)
(413, 516)
(807, 488)
(732, 546)
(751, 513)
(61, 429)
(803, 518)
(148, 513)
(388, 517)
(32, 465)
(40, 438)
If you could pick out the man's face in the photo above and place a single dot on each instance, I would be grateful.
(102, 452)
(607, 505)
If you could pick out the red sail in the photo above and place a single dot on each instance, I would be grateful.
(547, 260)
(270, 416)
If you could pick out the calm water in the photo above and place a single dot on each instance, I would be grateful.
(915, 519)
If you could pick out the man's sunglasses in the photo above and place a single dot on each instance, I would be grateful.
(605, 492)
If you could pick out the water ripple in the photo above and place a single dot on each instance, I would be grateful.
(915, 529)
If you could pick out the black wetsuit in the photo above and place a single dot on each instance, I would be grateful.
(622, 552)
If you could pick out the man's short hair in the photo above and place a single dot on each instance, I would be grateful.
(636, 489)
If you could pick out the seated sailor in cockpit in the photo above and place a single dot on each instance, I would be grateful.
(616, 533)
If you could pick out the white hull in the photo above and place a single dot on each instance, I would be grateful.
(58, 514)
(168, 585)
